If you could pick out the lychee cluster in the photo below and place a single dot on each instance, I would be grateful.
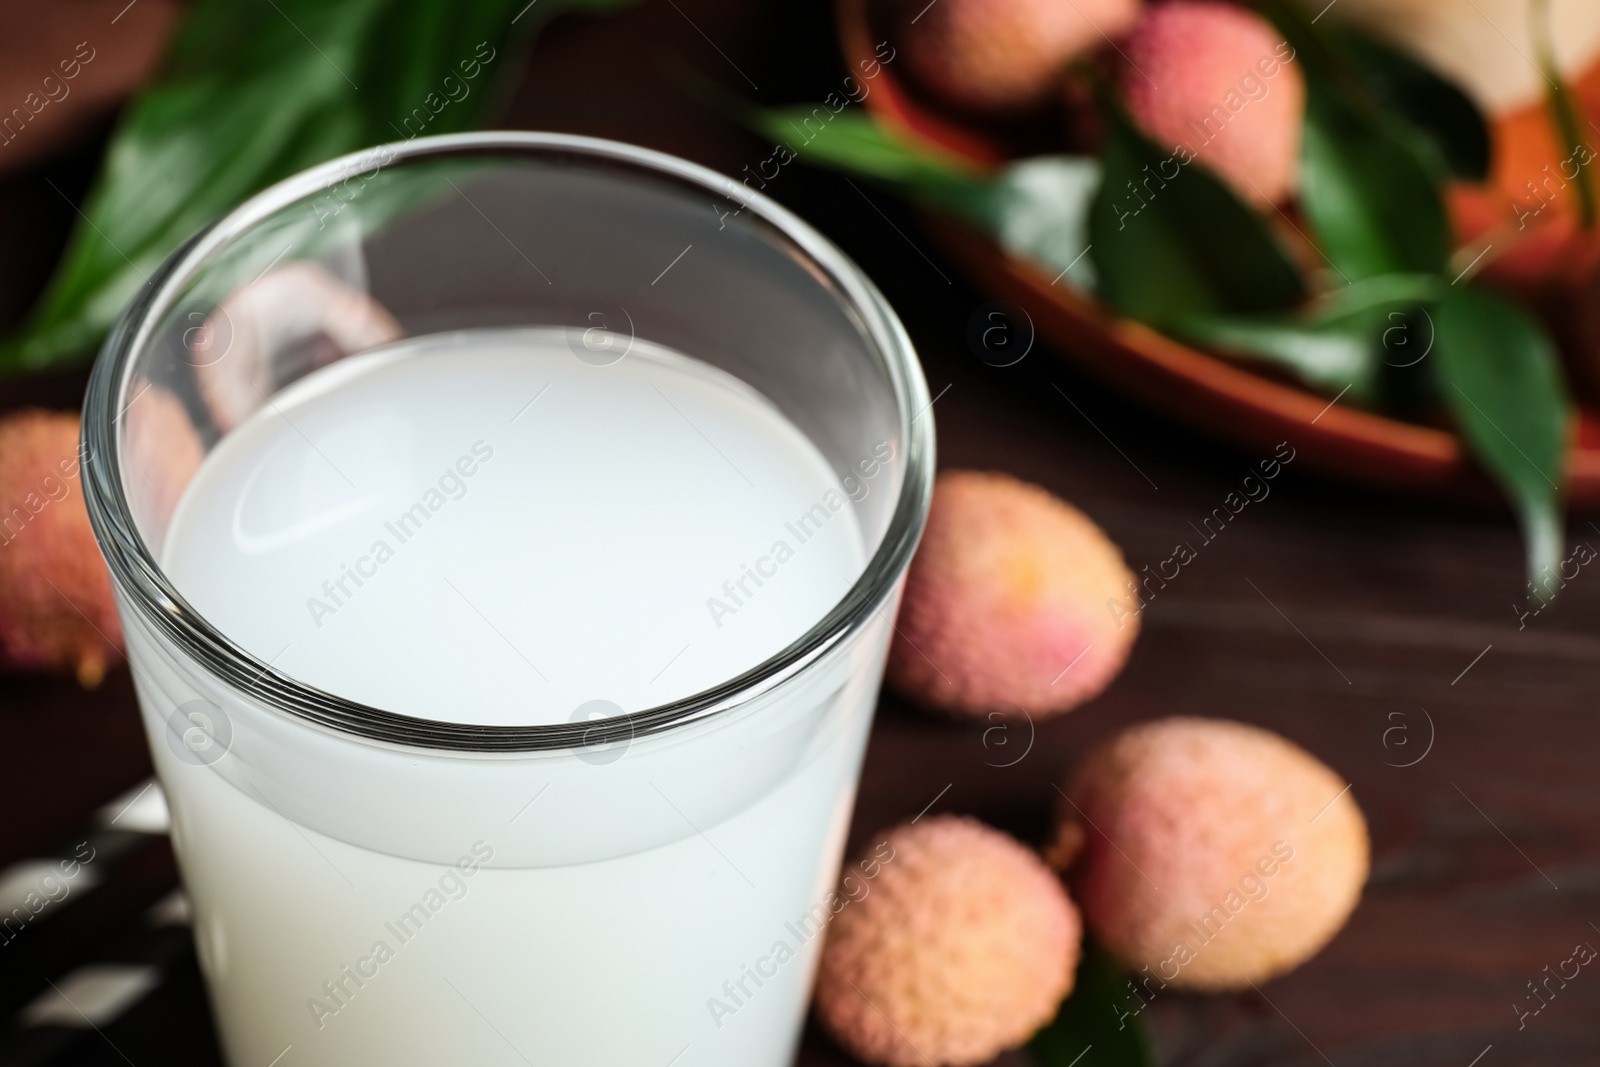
(1205, 79)
(56, 607)
(1205, 855)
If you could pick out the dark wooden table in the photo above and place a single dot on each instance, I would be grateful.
(1369, 629)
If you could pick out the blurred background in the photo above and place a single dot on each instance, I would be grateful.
(1375, 608)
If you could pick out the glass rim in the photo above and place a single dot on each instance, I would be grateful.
(159, 603)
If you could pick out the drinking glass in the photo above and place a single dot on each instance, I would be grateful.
(640, 887)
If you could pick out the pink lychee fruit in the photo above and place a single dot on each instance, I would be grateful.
(1210, 854)
(1015, 601)
(56, 608)
(963, 945)
(1218, 81)
(998, 55)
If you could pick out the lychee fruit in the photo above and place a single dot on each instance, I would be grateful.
(1015, 601)
(999, 55)
(56, 608)
(1210, 854)
(1221, 83)
(962, 946)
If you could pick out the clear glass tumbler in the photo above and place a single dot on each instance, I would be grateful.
(640, 887)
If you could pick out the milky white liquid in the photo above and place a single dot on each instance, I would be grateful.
(570, 526)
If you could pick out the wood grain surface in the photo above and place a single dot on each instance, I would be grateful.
(1375, 631)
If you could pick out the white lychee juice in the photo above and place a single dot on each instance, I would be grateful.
(484, 528)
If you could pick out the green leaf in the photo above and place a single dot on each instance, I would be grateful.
(1374, 205)
(857, 143)
(1435, 109)
(254, 91)
(1198, 249)
(1500, 376)
(1301, 31)
(1337, 357)
(1378, 129)
(1101, 1016)
(1039, 210)
(1386, 86)
(1171, 241)
(1338, 345)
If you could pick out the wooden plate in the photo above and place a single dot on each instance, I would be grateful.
(1220, 397)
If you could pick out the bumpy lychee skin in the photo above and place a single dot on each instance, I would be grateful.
(964, 945)
(1015, 601)
(1219, 81)
(998, 55)
(1213, 853)
(56, 609)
